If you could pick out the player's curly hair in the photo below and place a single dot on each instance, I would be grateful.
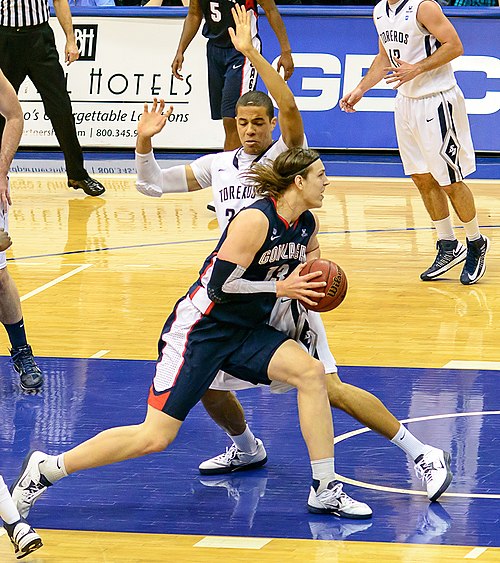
(271, 180)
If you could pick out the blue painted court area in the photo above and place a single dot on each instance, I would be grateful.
(164, 493)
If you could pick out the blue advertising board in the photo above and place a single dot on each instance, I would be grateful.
(332, 51)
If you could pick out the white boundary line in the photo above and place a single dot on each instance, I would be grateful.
(364, 485)
(475, 553)
(56, 281)
(100, 354)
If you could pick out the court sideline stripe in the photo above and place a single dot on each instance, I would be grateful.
(230, 542)
(475, 553)
(55, 281)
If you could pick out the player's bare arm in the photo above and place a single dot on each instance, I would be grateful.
(285, 61)
(11, 109)
(292, 128)
(431, 17)
(189, 30)
(377, 71)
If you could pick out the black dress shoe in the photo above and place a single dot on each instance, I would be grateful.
(89, 186)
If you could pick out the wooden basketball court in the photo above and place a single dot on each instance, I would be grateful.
(98, 276)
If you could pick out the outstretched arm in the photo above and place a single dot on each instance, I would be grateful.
(276, 22)
(292, 128)
(10, 108)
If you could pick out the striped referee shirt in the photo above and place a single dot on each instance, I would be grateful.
(23, 13)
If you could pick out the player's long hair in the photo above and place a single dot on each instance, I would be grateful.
(272, 180)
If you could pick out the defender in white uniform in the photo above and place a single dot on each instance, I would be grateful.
(416, 46)
(224, 171)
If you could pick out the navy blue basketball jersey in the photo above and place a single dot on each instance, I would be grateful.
(218, 19)
(283, 250)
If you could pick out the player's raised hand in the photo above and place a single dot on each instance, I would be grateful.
(300, 287)
(154, 120)
(241, 36)
(402, 73)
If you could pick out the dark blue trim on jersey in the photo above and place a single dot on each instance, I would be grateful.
(399, 8)
(257, 158)
(427, 43)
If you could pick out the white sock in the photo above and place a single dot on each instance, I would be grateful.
(53, 468)
(8, 510)
(245, 442)
(405, 440)
(472, 229)
(323, 471)
(444, 229)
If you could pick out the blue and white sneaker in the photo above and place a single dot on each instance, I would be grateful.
(234, 459)
(433, 468)
(30, 484)
(333, 500)
(450, 253)
(23, 537)
(475, 266)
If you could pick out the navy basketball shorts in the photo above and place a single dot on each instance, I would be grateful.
(230, 75)
(194, 347)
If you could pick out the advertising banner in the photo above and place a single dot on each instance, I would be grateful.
(125, 61)
(332, 60)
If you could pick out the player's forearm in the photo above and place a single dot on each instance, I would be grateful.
(143, 145)
(445, 54)
(277, 87)
(63, 14)
(277, 25)
(375, 73)
(10, 141)
(189, 30)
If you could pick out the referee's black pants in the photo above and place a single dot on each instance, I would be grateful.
(31, 51)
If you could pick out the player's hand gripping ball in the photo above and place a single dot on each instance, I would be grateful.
(336, 284)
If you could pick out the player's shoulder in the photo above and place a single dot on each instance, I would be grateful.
(379, 9)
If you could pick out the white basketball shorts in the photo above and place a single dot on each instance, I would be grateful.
(434, 136)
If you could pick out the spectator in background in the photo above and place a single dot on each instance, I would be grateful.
(28, 48)
(230, 74)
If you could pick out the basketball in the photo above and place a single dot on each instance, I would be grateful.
(336, 284)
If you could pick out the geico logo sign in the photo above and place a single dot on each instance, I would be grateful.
(86, 40)
(355, 67)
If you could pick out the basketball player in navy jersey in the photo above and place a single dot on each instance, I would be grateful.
(221, 323)
(416, 46)
(230, 74)
(223, 172)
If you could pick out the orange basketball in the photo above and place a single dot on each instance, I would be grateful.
(336, 284)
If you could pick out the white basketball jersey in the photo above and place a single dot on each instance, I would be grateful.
(403, 37)
(225, 172)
